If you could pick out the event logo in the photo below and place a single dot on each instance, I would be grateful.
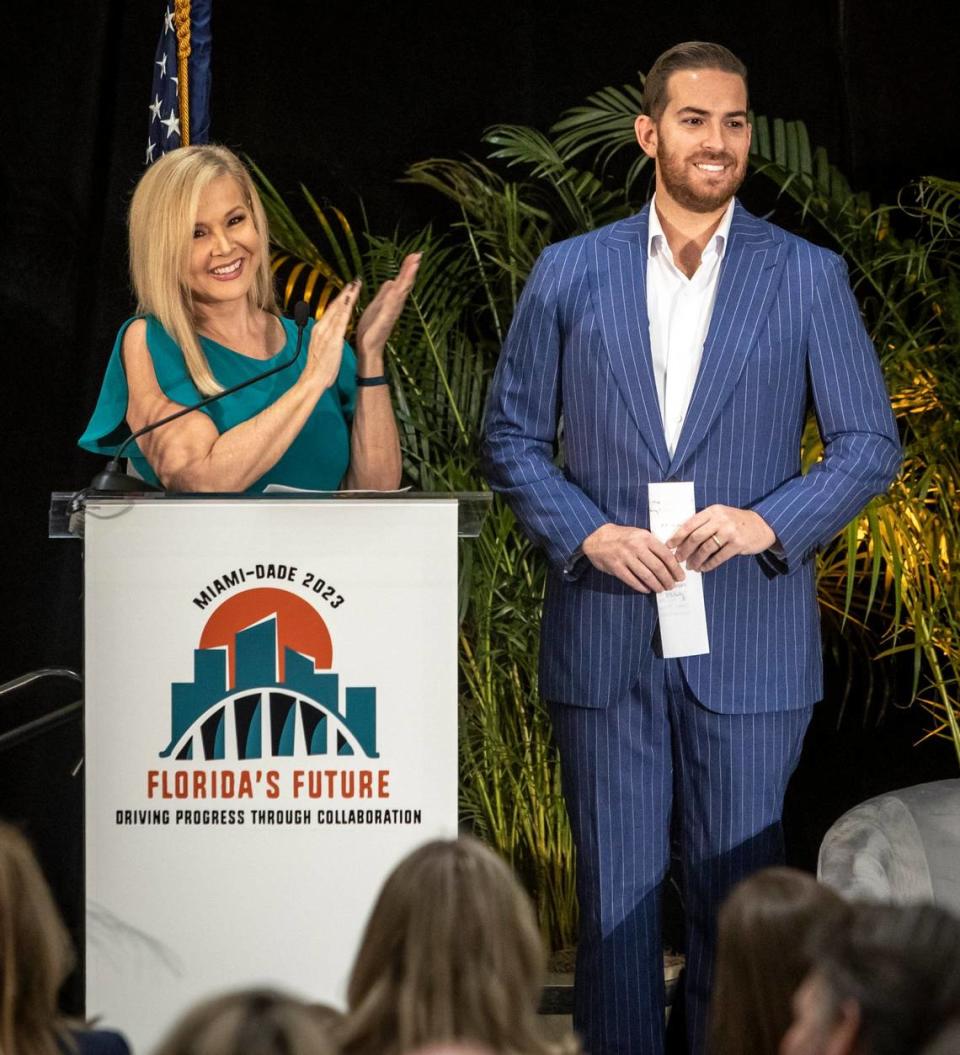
(263, 687)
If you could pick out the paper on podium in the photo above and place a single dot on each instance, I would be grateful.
(683, 617)
(276, 489)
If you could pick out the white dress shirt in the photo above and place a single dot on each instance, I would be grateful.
(679, 310)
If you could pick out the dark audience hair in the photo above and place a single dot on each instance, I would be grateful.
(35, 954)
(762, 930)
(451, 953)
(900, 964)
(946, 1042)
(252, 1022)
(691, 55)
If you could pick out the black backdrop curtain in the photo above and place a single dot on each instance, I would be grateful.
(343, 98)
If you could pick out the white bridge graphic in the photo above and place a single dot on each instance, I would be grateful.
(284, 723)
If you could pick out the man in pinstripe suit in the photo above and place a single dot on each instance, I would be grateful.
(683, 344)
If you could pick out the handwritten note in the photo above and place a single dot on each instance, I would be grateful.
(683, 617)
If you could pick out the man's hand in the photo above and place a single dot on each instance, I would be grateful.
(634, 556)
(717, 533)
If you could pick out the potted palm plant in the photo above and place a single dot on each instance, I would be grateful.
(885, 584)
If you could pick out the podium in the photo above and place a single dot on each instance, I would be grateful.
(270, 726)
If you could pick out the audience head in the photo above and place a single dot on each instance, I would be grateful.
(762, 930)
(330, 1018)
(35, 952)
(252, 1022)
(451, 953)
(946, 1042)
(453, 1049)
(885, 981)
(162, 221)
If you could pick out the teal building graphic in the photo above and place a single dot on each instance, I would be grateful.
(261, 717)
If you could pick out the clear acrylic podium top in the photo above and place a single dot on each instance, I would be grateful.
(67, 507)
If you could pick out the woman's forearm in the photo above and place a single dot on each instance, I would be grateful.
(240, 456)
(375, 462)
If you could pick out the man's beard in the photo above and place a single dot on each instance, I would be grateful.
(677, 177)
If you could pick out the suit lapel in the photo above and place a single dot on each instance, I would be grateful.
(749, 276)
(619, 288)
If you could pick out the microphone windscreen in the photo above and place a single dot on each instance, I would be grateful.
(301, 312)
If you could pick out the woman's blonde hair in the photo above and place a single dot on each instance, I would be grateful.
(763, 956)
(162, 216)
(251, 1022)
(35, 953)
(451, 952)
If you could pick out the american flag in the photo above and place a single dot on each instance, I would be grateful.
(165, 132)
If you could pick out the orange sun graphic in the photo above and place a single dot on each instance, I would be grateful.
(298, 627)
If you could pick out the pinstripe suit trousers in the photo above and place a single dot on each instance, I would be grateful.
(658, 761)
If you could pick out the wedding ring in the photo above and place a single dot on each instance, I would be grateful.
(718, 542)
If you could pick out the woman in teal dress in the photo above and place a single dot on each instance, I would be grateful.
(208, 319)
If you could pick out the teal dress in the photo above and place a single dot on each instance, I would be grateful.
(317, 459)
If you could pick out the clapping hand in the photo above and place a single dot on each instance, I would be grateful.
(381, 314)
(325, 350)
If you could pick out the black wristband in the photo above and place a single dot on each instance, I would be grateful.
(370, 382)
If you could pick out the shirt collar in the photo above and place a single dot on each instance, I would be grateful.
(656, 238)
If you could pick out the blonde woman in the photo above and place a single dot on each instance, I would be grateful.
(35, 959)
(252, 1022)
(208, 319)
(451, 953)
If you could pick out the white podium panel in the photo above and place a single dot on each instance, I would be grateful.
(271, 724)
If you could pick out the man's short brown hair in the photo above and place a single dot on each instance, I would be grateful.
(691, 55)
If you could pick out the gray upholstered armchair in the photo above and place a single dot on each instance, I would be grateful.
(902, 846)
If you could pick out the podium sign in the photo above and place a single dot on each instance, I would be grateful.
(271, 724)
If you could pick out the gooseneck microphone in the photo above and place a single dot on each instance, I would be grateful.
(114, 480)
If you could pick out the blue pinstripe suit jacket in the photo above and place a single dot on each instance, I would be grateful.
(785, 332)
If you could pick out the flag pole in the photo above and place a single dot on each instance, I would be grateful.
(182, 19)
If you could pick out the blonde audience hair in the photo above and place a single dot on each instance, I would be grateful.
(35, 953)
(252, 1022)
(163, 212)
(762, 956)
(451, 954)
(453, 1049)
